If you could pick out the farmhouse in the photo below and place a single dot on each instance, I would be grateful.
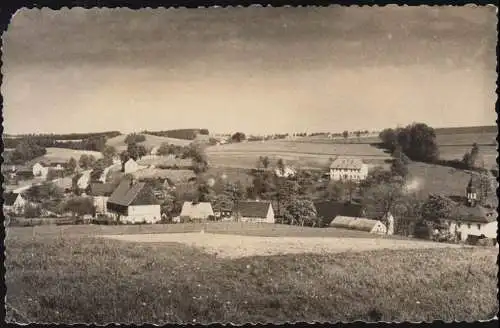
(255, 211)
(134, 202)
(40, 171)
(100, 193)
(284, 172)
(329, 210)
(194, 211)
(361, 224)
(14, 202)
(131, 166)
(352, 169)
(476, 221)
(66, 184)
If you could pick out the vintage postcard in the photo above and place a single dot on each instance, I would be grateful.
(250, 165)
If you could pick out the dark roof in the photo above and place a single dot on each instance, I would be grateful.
(251, 209)
(477, 214)
(101, 189)
(126, 193)
(9, 198)
(330, 209)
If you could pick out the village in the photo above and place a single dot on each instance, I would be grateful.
(126, 189)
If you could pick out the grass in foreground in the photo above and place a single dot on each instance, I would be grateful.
(81, 279)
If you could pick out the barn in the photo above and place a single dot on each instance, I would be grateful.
(100, 193)
(134, 202)
(329, 210)
(361, 224)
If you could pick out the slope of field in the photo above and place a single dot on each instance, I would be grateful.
(63, 155)
(236, 246)
(294, 152)
(172, 283)
(430, 178)
(150, 142)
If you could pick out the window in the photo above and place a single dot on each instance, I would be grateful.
(468, 225)
(459, 224)
(478, 226)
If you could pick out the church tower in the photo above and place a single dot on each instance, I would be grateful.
(471, 193)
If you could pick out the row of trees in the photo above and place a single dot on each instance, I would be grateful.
(417, 141)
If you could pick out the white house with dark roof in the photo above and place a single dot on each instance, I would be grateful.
(134, 202)
(348, 169)
(14, 202)
(255, 211)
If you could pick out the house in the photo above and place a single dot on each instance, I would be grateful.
(134, 202)
(350, 169)
(100, 193)
(473, 221)
(131, 166)
(66, 184)
(154, 151)
(255, 211)
(40, 171)
(284, 172)
(14, 202)
(329, 210)
(194, 211)
(361, 224)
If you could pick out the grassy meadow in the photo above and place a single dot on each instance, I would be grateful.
(150, 142)
(67, 275)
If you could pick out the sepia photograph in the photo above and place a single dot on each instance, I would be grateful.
(250, 165)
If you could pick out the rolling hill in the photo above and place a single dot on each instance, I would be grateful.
(150, 142)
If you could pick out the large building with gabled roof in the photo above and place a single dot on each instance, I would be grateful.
(134, 202)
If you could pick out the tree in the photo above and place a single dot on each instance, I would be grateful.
(32, 210)
(134, 138)
(79, 206)
(437, 207)
(287, 191)
(263, 185)
(86, 161)
(166, 149)
(136, 151)
(300, 211)
(52, 175)
(108, 153)
(381, 199)
(345, 134)
(263, 162)
(418, 142)
(238, 137)
(280, 165)
(43, 191)
(26, 150)
(400, 162)
(470, 158)
(71, 165)
(171, 206)
(205, 193)
(199, 159)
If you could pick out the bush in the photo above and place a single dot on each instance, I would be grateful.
(32, 211)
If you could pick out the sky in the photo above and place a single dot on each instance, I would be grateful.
(256, 70)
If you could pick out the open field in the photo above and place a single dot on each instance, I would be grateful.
(487, 153)
(170, 282)
(302, 154)
(236, 246)
(150, 142)
(431, 178)
(64, 154)
(165, 161)
(467, 139)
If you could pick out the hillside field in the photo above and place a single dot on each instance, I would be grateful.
(64, 155)
(171, 282)
(150, 142)
(293, 152)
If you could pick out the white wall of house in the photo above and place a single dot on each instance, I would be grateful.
(84, 180)
(465, 229)
(40, 171)
(287, 172)
(100, 204)
(379, 228)
(349, 174)
(131, 166)
(268, 219)
(142, 213)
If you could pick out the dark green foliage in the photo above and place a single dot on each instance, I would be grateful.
(238, 137)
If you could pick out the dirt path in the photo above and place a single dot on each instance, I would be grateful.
(233, 246)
